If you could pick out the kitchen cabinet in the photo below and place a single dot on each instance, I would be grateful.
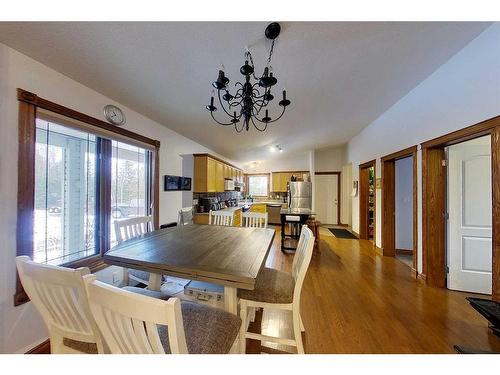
(210, 173)
(280, 180)
(219, 177)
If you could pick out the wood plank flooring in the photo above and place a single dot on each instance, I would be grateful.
(357, 301)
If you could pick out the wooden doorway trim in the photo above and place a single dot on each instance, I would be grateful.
(389, 203)
(339, 174)
(434, 201)
(363, 200)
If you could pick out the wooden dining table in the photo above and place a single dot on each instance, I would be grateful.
(227, 256)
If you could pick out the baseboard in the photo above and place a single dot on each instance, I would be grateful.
(414, 273)
(355, 233)
(42, 348)
(421, 277)
(404, 251)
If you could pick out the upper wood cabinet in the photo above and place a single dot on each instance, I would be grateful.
(210, 173)
(280, 180)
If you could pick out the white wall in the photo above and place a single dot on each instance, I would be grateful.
(330, 159)
(463, 91)
(279, 163)
(404, 203)
(21, 327)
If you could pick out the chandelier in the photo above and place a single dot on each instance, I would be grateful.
(249, 100)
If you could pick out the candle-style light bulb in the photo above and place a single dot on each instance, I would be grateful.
(284, 94)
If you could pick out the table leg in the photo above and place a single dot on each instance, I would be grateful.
(154, 281)
(231, 300)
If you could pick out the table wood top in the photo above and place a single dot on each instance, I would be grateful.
(231, 256)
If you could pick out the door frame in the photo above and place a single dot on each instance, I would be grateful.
(389, 203)
(434, 201)
(339, 174)
(363, 200)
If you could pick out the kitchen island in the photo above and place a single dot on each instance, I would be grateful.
(293, 215)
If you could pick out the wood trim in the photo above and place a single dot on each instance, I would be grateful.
(400, 154)
(368, 163)
(29, 97)
(433, 225)
(474, 131)
(42, 348)
(218, 159)
(156, 188)
(26, 190)
(389, 203)
(339, 187)
(495, 178)
(389, 207)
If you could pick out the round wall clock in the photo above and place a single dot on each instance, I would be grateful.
(114, 115)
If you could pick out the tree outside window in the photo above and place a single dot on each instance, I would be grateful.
(258, 185)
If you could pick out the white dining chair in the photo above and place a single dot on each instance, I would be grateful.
(280, 290)
(135, 324)
(255, 219)
(224, 218)
(59, 295)
(186, 216)
(127, 229)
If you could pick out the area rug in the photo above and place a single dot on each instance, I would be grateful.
(342, 233)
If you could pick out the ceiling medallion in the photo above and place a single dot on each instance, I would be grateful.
(249, 100)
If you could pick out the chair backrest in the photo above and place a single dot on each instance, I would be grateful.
(254, 219)
(186, 216)
(59, 294)
(130, 228)
(129, 321)
(220, 218)
(301, 260)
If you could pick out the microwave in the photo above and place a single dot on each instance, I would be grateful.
(228, 184)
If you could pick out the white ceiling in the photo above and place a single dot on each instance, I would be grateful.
(340, 76)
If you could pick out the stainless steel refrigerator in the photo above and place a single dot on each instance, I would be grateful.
(300, 195)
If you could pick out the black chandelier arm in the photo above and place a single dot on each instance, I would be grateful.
(282, 113)
(222, 104)
(236, 127)
(218, 122)
(256, 127)
(234, 104)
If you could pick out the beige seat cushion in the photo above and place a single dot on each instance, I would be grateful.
(208, 330)
(272, 286)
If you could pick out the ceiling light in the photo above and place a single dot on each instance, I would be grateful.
(249, 99)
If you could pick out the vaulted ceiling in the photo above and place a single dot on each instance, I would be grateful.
(340, 76)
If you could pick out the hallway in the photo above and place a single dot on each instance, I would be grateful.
(356, 301)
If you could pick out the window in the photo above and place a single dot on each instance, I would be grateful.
(65, 194)
(258, 185)
(130, 183)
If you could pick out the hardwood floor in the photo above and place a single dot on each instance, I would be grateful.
(357, 301)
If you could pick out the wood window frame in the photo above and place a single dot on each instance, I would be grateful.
(28, 104)
(388, 164)
(363, 203)
(434, 201)
(247, 175)
(339, 187)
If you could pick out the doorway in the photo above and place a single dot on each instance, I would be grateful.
(469, 219)
(327, 197)
(399, 206)
(367, 201)
(434, 202)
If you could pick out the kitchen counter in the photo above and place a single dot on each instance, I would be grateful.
(296, 211)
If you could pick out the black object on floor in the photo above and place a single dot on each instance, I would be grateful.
(342, 233)
(168, 225)
(466, 350)
(489, 309)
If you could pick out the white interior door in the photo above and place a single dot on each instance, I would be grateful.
(469, 209)
(326, 198)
